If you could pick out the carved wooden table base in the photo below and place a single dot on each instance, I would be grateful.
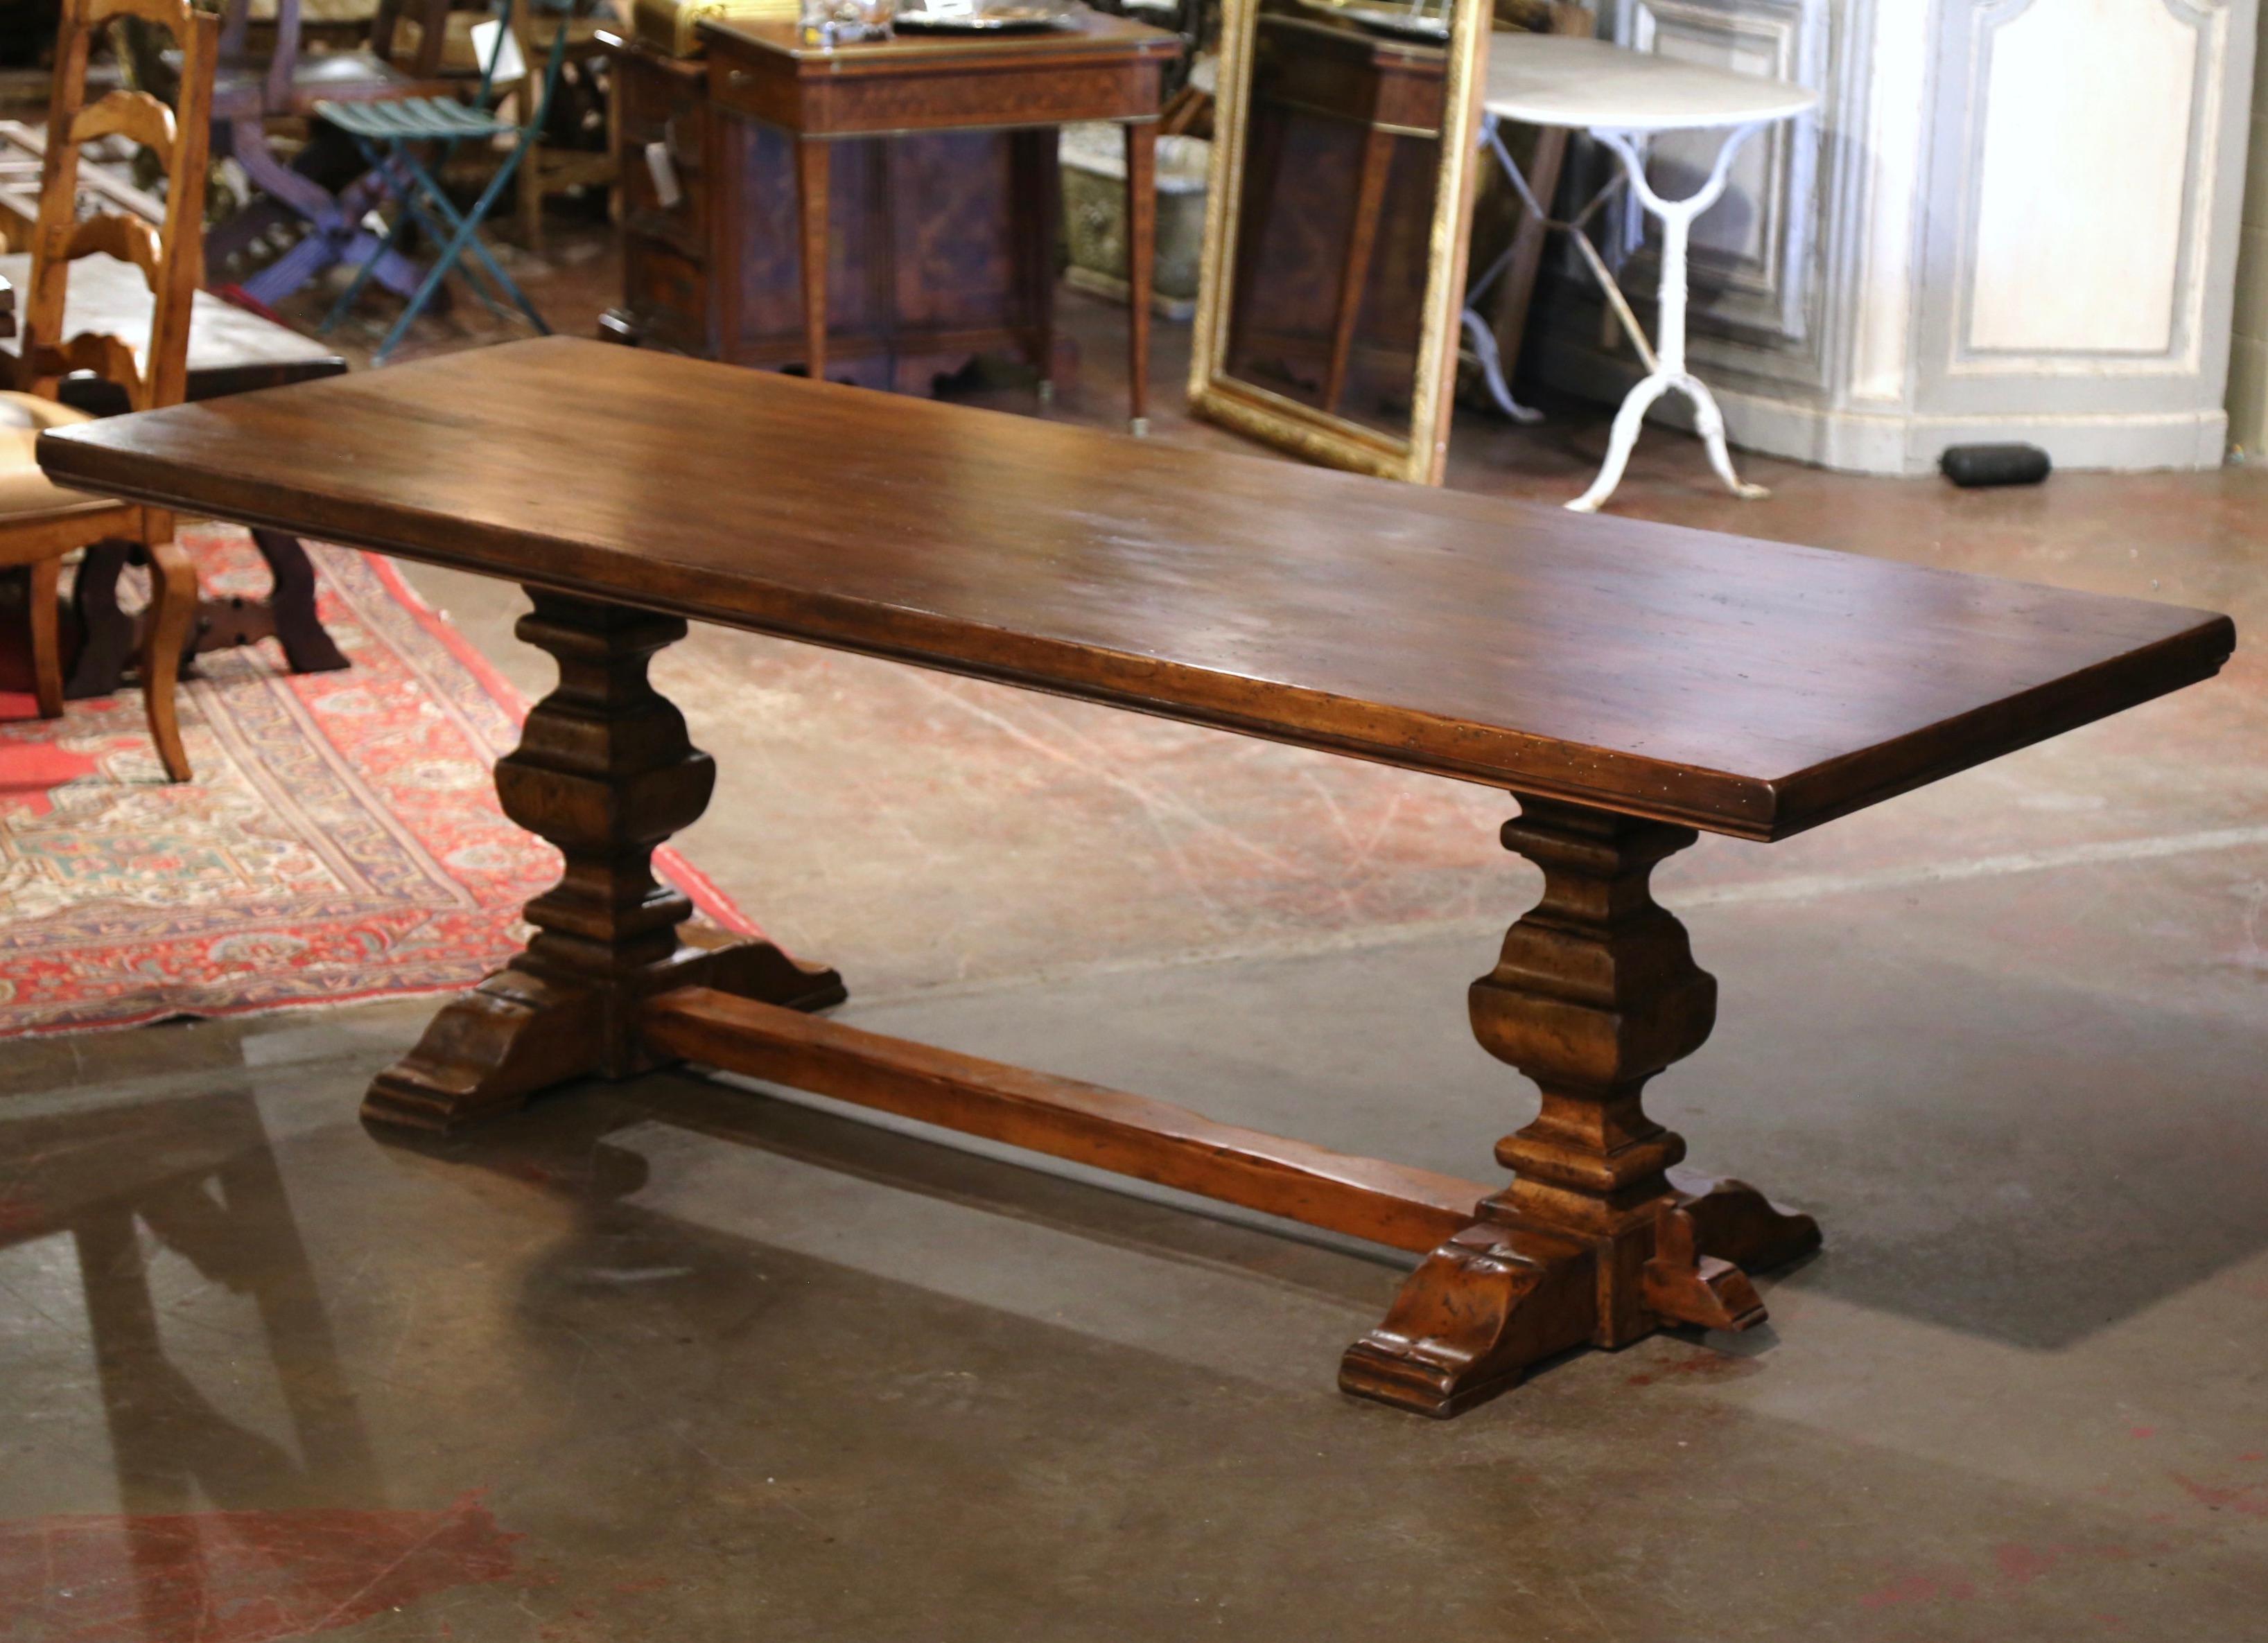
(605, 771)
(1596, 991)
(110, 640)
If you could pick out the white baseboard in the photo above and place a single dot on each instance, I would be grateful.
(1902, 442)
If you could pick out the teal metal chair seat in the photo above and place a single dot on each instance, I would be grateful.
(416, 119)
(391, 135)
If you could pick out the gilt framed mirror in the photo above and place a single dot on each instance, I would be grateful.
(1335, 232)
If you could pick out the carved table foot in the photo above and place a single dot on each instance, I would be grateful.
(606, 772)
(1596, 991)
(1477, 1312)
(1736, 1223)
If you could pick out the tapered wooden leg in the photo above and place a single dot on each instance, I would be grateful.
(1594, 993)
(605, 771)
(47, 638)
(174, 608)
(1362, 246)
(811, 185)
(1141, 264)
(1036, 191)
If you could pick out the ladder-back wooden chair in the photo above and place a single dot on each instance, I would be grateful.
(39, 521)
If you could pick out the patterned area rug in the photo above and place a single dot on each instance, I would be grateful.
(342, 840)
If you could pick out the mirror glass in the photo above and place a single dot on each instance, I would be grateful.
(1335, 250)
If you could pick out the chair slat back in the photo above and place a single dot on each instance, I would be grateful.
(170, 258)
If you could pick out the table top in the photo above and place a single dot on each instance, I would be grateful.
(231, 349)
(1328, 33)
(1097, 31)
(1747, 687)
(1590, 84)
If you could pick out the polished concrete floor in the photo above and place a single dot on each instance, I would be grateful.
(682, 1358)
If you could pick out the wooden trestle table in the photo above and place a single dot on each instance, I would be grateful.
(1629, 683)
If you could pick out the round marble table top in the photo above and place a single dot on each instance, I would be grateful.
(1563, 80)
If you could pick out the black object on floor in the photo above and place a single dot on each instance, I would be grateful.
(1973, 466)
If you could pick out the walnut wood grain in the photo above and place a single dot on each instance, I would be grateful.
(1630, 682)
(1108, 1129)
(1744, 687)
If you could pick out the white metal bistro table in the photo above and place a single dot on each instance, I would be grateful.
(1621, 97)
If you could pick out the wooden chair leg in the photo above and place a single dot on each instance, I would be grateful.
(47, 638)
(173, 592)
(531, 199)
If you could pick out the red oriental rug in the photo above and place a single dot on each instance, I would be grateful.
(341, 842)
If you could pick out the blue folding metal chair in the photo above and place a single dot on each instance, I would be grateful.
(390, 136)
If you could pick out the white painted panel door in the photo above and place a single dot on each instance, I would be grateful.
(2082, 175)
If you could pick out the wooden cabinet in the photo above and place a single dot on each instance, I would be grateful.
(662, 126)
(922, 173)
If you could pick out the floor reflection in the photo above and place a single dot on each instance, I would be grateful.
(223, 1533)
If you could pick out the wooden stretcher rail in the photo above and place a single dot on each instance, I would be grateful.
(1127, 1134)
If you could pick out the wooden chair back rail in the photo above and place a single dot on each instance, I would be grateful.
(134, 115)
(170, 256)
(23, 156)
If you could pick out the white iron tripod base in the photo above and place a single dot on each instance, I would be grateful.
(1665, 360)
(1482, 343)
(1708, 422)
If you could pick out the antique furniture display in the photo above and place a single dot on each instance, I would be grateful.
(1628, 683)
(41, 521)
(390, 134)
(1621, 98)
(879, 211)
(295, 192)
(409, 38)
(231, 350)
(1336, 232)
(556, 163)
(672, 28)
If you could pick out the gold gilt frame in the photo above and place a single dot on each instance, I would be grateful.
(1317, 435)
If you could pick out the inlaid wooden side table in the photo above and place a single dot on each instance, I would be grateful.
(1107, 69)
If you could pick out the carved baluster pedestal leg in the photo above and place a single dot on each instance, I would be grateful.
(1596, 991)
(605, 771)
